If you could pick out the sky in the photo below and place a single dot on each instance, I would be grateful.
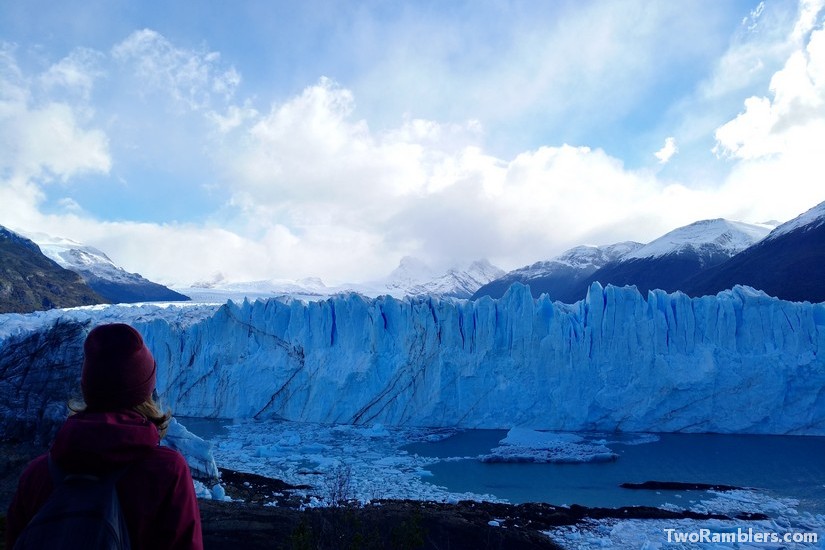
(197, 141)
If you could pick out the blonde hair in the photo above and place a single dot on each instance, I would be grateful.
(150, 410)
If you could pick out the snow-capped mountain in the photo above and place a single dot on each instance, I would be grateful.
(707, 239)
(458, 283)
(30, 281)
(412, 277)
(561, 277)
(789, 263)
(805, 222)
(411, 272)
(669, 261)
(114, 283)
(665, 263)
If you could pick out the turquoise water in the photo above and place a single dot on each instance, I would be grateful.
(207, 428)
(783, 466)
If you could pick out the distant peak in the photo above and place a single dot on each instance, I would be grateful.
(485, 268)
(482, 263)
(723, 236)
(410, 270)
(595, 256)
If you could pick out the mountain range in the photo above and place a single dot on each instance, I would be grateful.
(47, 272)
(562, 277)
(705, 257)
(412, 277)
(789, 263)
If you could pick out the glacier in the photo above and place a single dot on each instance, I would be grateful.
(737, 362)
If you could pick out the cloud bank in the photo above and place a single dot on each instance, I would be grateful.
(304, 186)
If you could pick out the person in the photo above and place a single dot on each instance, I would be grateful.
(118, 426)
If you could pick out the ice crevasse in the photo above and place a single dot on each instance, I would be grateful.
(737, 362)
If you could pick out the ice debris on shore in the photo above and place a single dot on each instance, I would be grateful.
(784, 519)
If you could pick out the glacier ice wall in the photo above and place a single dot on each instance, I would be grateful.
(737, 362)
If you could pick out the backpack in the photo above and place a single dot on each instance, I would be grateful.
(83, 511)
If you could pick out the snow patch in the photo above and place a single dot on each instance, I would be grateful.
(784, 518)
(811, 219)
(723, 236)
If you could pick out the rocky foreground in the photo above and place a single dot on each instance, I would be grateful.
(265, 513)
(400, 524)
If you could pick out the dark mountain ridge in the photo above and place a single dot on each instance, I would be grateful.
(666, 263)
(564, 278)
(29, 281)
(114, 283)
(788, 264)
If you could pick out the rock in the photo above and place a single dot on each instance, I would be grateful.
(678, 486)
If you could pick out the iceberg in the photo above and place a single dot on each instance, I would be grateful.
(737, 362)
(523, 445)
(196, 450)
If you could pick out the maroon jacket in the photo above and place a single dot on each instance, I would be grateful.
(156, 492)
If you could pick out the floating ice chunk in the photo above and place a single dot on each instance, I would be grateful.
(534, 439)
(523, 445)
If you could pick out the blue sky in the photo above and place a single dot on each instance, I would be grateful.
(252, 140)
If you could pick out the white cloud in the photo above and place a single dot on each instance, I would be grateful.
(313, 190)
(667, 151)
(764, 41)
(792, 118)
(190, 77)
(50, 141)
(540, 71)
(332, 184)
(45, 140)
(808, 18)
(777, 141)
(77, 72)
(235, 116)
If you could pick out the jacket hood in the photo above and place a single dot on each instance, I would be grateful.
(97, 441)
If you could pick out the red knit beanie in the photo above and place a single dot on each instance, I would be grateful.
(118, 368)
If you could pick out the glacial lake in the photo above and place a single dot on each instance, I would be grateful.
(783, 466)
